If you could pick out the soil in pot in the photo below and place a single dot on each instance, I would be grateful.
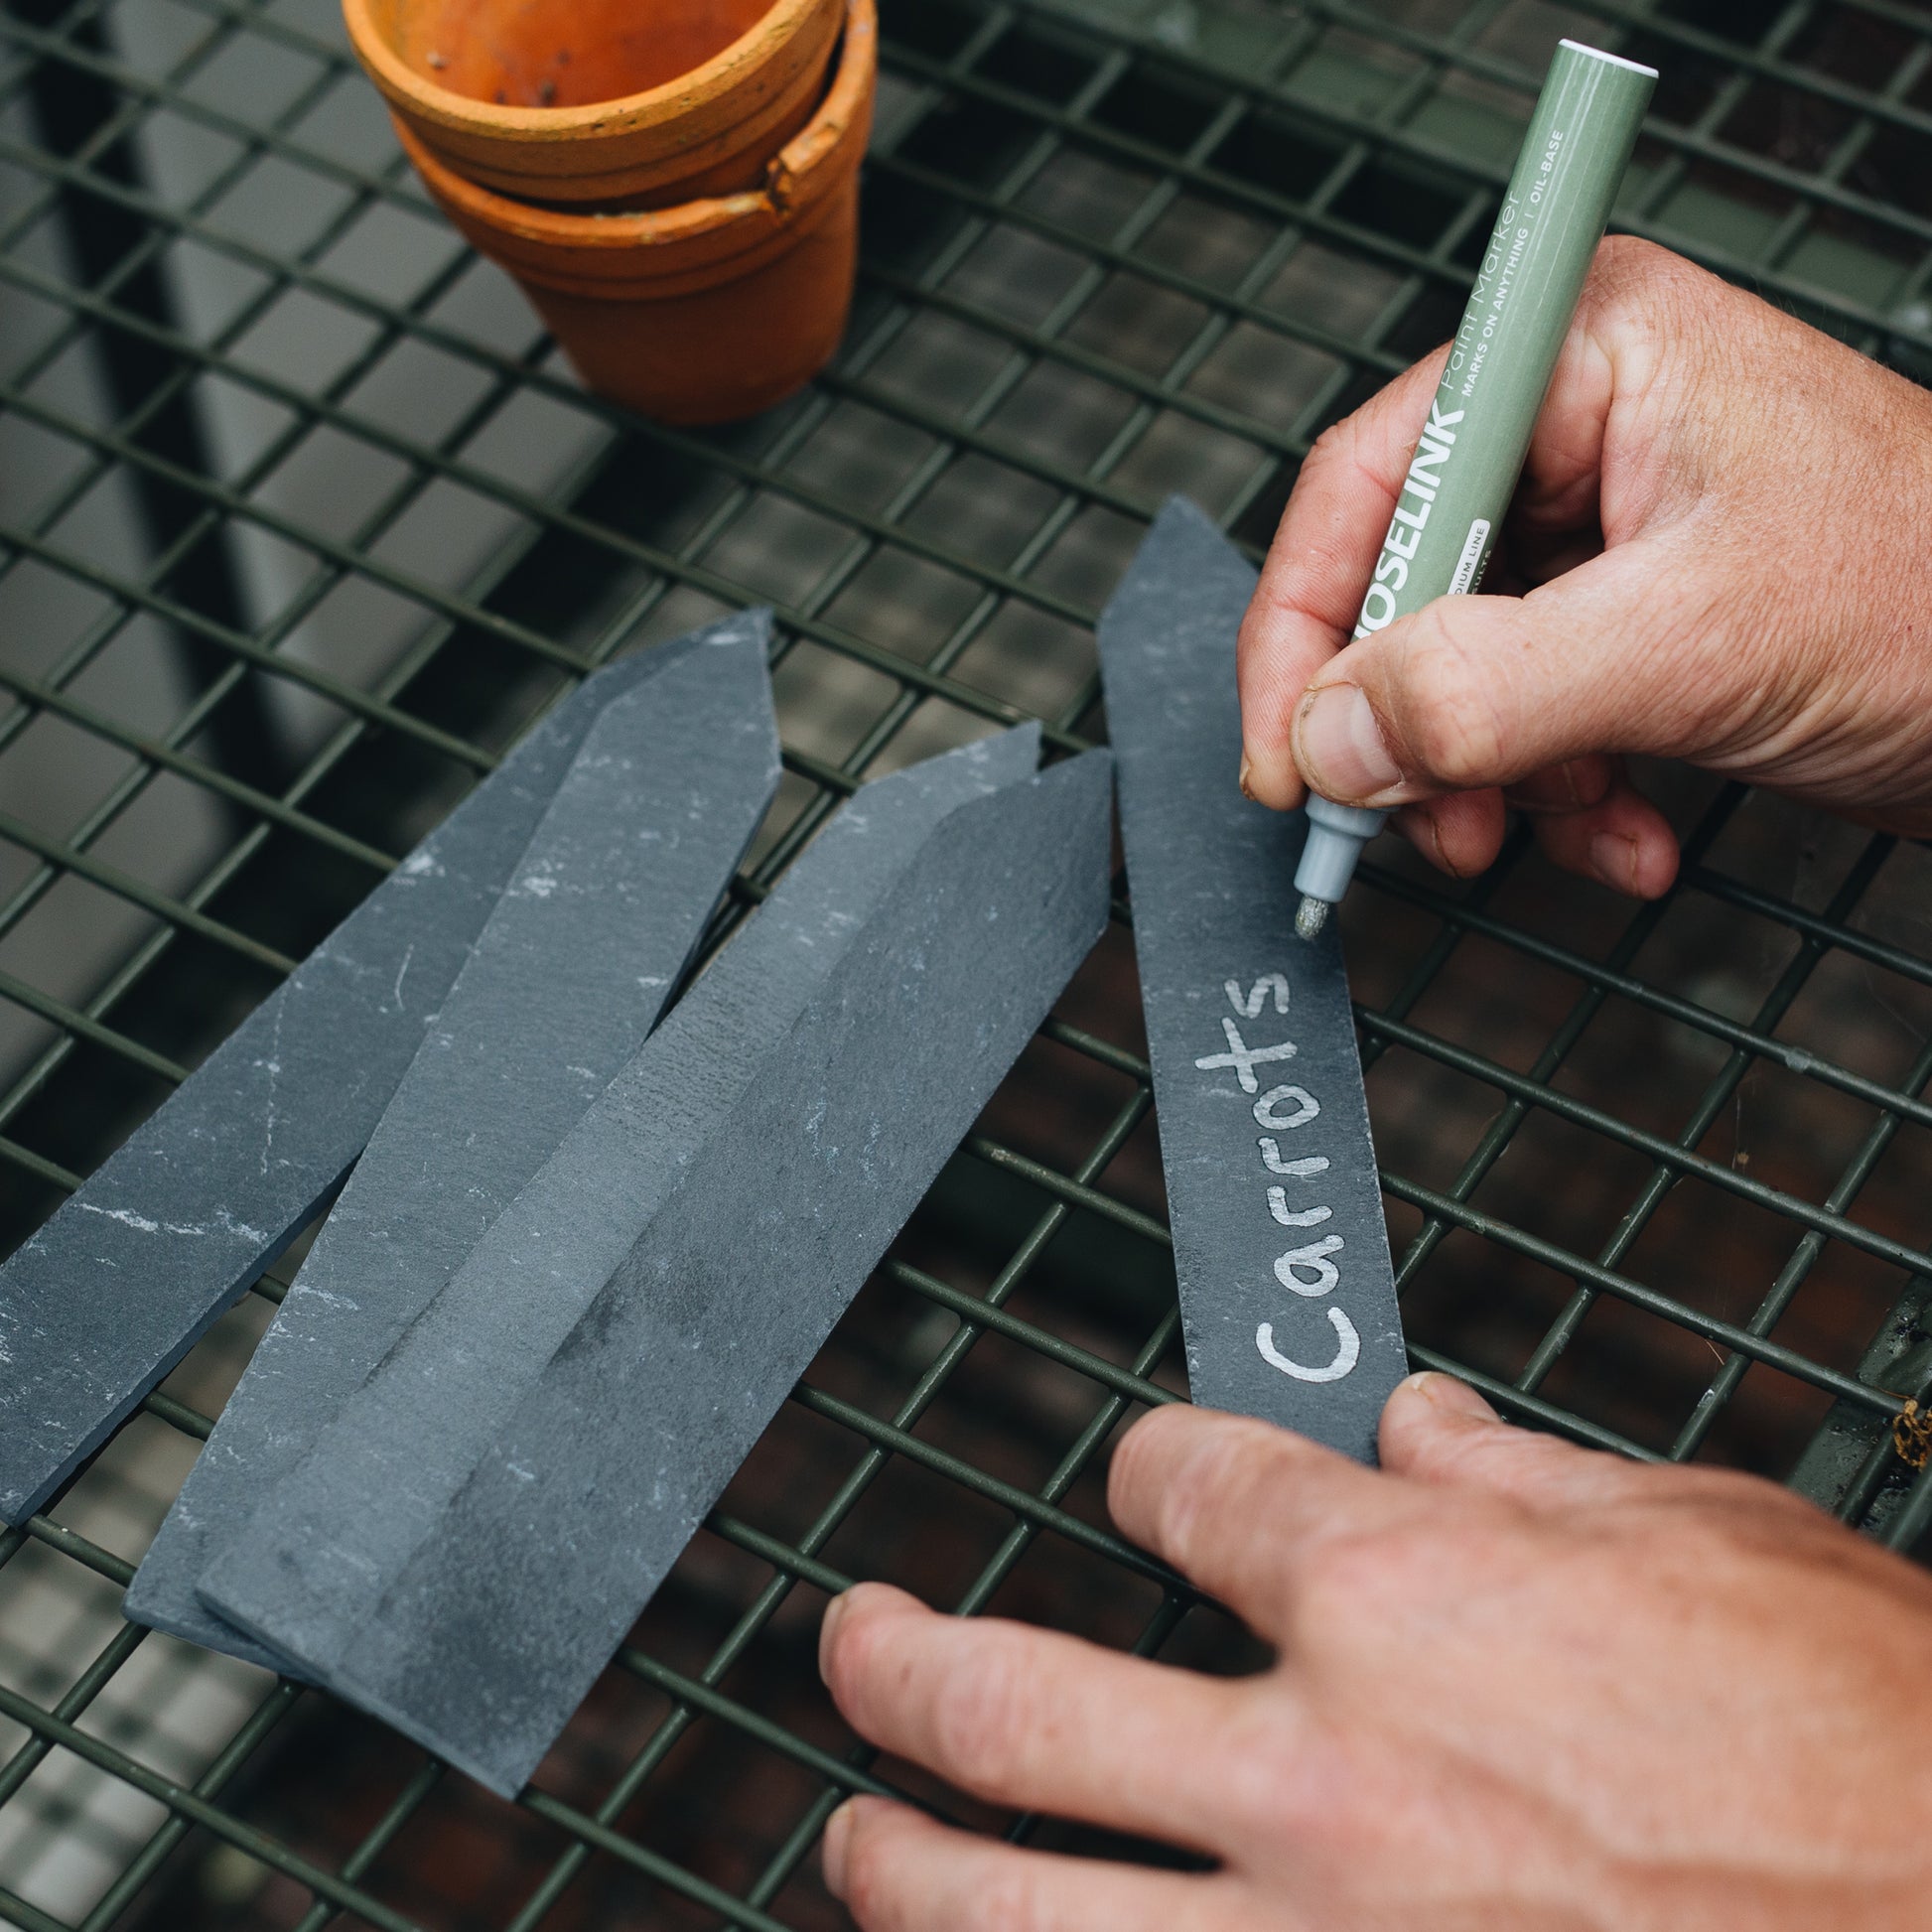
(619, 105)
(519, 54)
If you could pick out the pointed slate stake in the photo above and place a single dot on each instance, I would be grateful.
(507, 1612)
(325, 1543)
(124, 1278)
(1287, 1298)
(567, 977)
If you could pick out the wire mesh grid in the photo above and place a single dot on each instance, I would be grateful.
(304, 522)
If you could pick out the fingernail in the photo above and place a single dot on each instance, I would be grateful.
(1247, 765)
(1339, 747)
(1614, 859)
(832, 1847)
(827, 1630)
(1446, 1393)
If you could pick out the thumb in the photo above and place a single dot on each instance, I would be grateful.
(1474, 691)
(1439, 1430)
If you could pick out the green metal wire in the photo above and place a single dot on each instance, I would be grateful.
(1000, 107)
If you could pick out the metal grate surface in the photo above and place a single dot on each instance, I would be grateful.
(301, 522)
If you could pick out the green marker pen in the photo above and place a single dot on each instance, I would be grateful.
(1470, 450)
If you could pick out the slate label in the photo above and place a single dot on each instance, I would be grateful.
(117, 1287)
(1281, 1251)
(599, 911)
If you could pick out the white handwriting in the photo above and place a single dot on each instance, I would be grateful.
(1302, 1169)
(1307, 1270)
(1299, 1217)
(1245, 1058)
(1250, 1007)
(1314, 1258)
(1305, 1107)
(1349, 1350)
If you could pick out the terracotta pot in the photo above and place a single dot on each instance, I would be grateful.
(713, 310)
(639, 103)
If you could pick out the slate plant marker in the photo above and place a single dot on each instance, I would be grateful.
(508, 1611)
(126, 1275)
(323, 1543)
(597, 919)
(1286, 1295)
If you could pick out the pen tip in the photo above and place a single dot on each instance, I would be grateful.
(1311, 916)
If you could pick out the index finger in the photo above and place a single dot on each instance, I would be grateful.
(1033, 1719)
(1237, 1505)
(1311, 591)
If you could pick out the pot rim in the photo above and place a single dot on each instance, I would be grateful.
(795, 177)
(672, 100)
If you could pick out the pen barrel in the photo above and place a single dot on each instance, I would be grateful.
(1471, 447)
(1470, 450)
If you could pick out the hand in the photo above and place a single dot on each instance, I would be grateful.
(1724, 519)
(1520, 1685)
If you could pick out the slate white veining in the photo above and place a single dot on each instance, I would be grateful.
(128, 1273)
(602, 910)
(507, 1612)
(314, 1560)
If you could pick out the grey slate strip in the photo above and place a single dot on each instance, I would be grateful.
(529, 1581)
(98, 1304)
(326, 1541)
(567, 977)
(1287, 1298)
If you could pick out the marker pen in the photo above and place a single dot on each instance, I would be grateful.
(1470, 450)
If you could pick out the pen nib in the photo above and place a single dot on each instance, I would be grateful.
(1311, 916)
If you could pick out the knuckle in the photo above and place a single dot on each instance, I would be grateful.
(1633, 277)
(1135, 1474)
(1195, 1496)
(1621, 255)
(1492, 1460)
(1185, 1497)
(1732, 1495)
(981, 1716)
(1012, 1900)
(1449, 717)
(1505, 1464)
(1333, 447)
(1346, 455)
(1348, 1571)
(1305, 1790)
(1626, 264)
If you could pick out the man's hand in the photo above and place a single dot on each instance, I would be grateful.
(1724, 516)
(1519, 1684)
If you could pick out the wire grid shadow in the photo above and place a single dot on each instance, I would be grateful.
(303, 523)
